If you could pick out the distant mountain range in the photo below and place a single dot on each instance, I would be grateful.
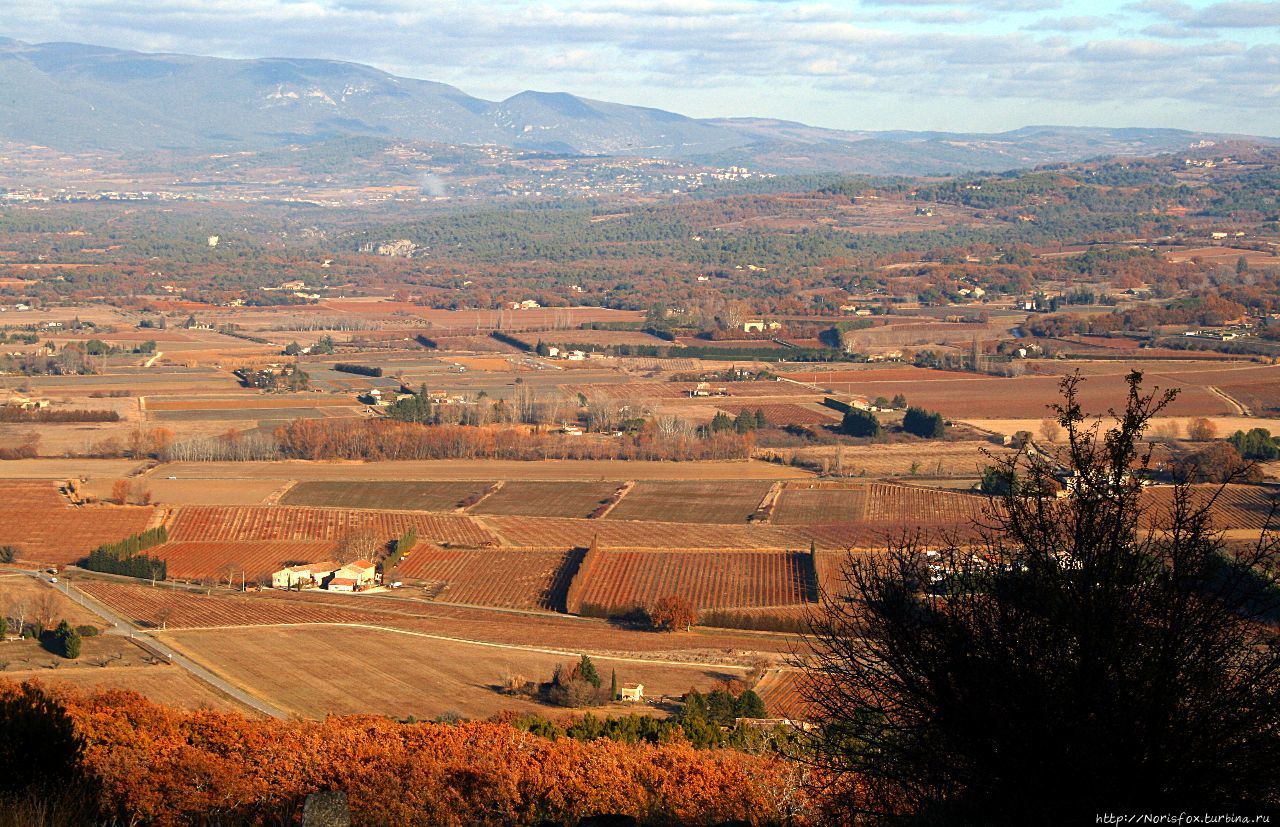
(73, 96)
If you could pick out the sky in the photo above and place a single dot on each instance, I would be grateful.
(853, 64)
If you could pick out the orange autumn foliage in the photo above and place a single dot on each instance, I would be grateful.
(164, 766)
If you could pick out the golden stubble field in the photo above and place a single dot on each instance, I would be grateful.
(317, 670)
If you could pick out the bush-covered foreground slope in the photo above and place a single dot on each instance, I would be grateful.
(148, 763)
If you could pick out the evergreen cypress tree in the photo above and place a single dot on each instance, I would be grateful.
(587, 670)
(71, 644)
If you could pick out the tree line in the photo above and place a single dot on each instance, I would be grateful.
(126, 557)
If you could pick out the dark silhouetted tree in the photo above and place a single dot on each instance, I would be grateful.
(1082, 656)
(862, 423)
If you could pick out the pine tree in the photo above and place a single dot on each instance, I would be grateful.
(750, 705)
(71, 644)
(587, 671)
(860, 423)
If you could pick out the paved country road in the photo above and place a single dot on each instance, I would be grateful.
(122, 627)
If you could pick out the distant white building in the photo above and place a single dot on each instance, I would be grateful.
(309, 574)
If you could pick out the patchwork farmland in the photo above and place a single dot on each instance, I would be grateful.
(781, 414)
(483, 577)
(431, 495)
(694, 502)
(613, 581)
(911, 505)
(1234, 507)
(293, 523)
(181, 609)
(230, 560)
(820, 502)
(46, 528)
(546, 499)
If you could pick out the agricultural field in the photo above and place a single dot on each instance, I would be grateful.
(693, 502)
(58, 468)
(400, 674)
(617, 580)
(257, 416)
(855, 375)
(171, 492)
(163, 683)
(968, 396)
(474, 469)
(546, 499)
(818, 502)
(1235, 507)
(910, 506)
(567, 533)
(207, 523)
(41, 601)
(410, 495)
(255, 402)
(97, 652)
(630, 392)
(783, 694)
(232, 560)
(761, 390)
(1259, 398)
(47, 529)
(932, 458)
(154, 607)
(171, 381)
(781, 414)
(485, 577)
(730, 344)
(599, 338)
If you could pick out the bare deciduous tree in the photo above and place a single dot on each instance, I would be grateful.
(1201, 430)
(45, 607)
(359, 544)
(1050, 430)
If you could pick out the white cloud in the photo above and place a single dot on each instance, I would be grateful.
(1084, 23)
(808, 60)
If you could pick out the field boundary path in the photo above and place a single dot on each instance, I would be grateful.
(492, 489)
(1241, 408)
(616, 498)
(123, 628)
(813, 386)
(275, 496)
(765, 509)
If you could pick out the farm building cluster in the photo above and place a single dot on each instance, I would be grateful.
(355, 576)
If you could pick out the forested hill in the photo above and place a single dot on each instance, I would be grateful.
(77, 97)
(802, 246)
